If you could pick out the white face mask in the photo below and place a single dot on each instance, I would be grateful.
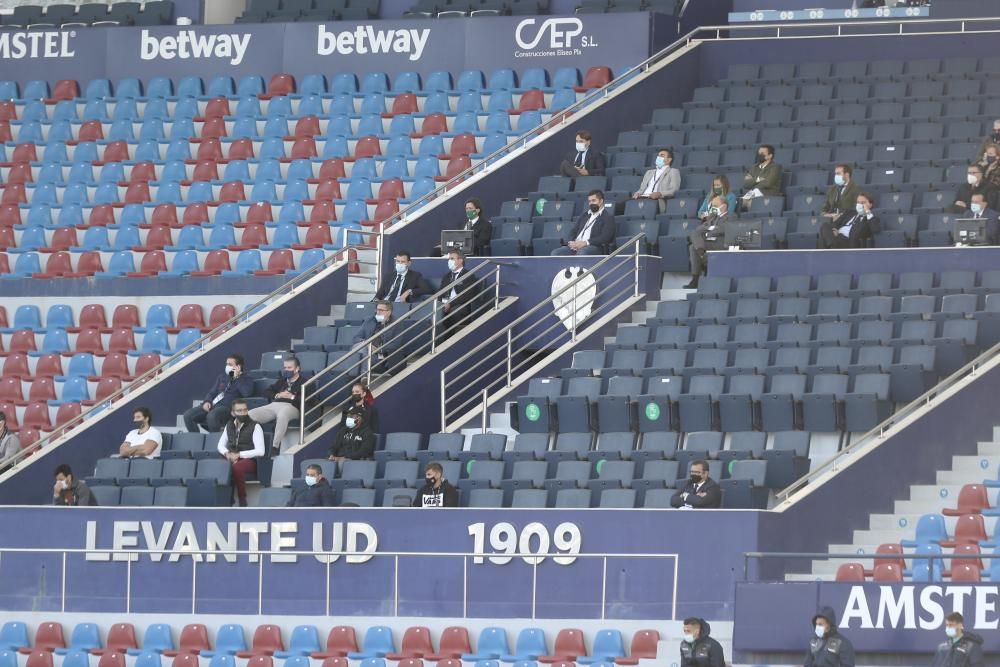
(580, 147)
(230, 370)
(310, 480)
(860, 208)
(972, 179)
(976, 207)
(951, 632)
(350, 422)
(64, 484)
(838, 179)
(688, 637)
(400, 268)
(820, 631)
(452, 265)
(379, 317)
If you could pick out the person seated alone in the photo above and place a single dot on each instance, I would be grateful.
(763, 179)
(661, 182)
(317, 492)
(437, 491)
(594, 232)
(355, 442)
(70, 491)
(701, 491)
(143, 440)
(854, 228)
(242, 443)
(286, 399)
(404, 284)
(585, 160)
(383, 348)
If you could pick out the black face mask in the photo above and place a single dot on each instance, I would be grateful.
(430, 480)
(139, 423)
(760, 158)
(594, 208)
(242, 419)
(696, 479)
(996, 137)
(357, 397)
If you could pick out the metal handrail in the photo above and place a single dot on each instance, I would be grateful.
(798, 555)
(633, 246)
(424, 310)
(336, 257)
(919, 404)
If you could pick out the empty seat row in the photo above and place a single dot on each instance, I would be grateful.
(94, 316)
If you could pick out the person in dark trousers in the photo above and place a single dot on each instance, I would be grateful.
(213, 413)
(698, 648)
(317, 492)
(852, 229)
(700, 492)
(962, 649)
(479, 225)
(594, 232)
(70, 491)
(437, 492)
(457, 304)
(384, 347)
(242, 443)
(403, 284)
(585, 160)
(828, 648)
(355, 441)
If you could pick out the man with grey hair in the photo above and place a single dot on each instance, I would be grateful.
(285, 398)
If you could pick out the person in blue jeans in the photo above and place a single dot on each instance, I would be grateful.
(213, 411)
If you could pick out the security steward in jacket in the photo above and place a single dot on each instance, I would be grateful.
(828, 648)
(698, 649)
(963, 649)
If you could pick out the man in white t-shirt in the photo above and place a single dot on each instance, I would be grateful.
(143, 440)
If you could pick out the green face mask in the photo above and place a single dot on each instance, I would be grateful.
(717, 190)
(471, 215)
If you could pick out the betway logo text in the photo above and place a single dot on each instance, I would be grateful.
(366, 39)
(41, 44)
(188, 45)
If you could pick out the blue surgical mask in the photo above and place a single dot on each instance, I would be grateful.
(452, 265)
(660, 161)
(976, 207)
(400, 268)
(838, 179)
(860, 208)
(350, 422)
(820, 631)
(310, 480)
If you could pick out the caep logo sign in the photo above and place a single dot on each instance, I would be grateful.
(553, 37)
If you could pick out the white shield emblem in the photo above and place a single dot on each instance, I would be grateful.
(573, 306)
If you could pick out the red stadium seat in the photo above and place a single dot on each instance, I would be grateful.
(317, 236)
(63, 238)
(42, 389)
(332, 169)
(153, 263)
(29, 436)
(37, 658)
(184, 660)
(7, 238)
(851, 572)
(328, 190)
(259, 212)
(36, 416)
(4, 264)
(125, 315)
(336, 662)
(137, 193)
(10, 215)
(58, 265)
(116, 151)
(403, 104)
(66, 413)
(307, 126)
(87, 264)
(216, 262)
(279, 262)
(367, 147)
(24, 153)
(569, 645)
(261, 661)
(91, 130)
(13, 193)
(101, 215)
(111, 658)
(969, 528)
(217, 107)
(158, 238)
(454, 644)
(266, 641)
(193, 640)
(531, 100)
(232, 191)
(434, 123)
(64, 89)
(10, 411)
(463, 144)
(965, 572)
(210, 148)
(20, 172)
(195, 214)
(48, 637)
(449, 662)
(6, 136)
(644, 643)
(410, 662)
(213, 128)
(596, 77)
(164, 214)
(205, 170)
(90, 341)
(323, 211)
(16, 366)
(92, 316)
(241, 149)
(10, 390)
(416, 644)
(142, 172)
(146, 363)
(115, 365)
(221, 313)
(189, 316)
(8, 111)
(122, 340)
(456, 166)
(391, 189)
(972, 499)
(22, 341)
(968, 554)
(304, 148)
(254, 236)
(281, 84)
(383, 211)
(49, 366)
(341, 641)
(3, 312)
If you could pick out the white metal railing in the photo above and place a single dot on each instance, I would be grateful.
(328, 557)
(501, 359)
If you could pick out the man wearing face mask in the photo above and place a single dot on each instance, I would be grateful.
(828, 648)
(853, 228)
(979, 209)
(709, 235)
(10, 444)
(457, 302)
(479, 225)
(437, 491)
(764, 178)
(143, 440)
(841, 196)
(989, 161)
(215, 406)
(974, 185)
(700, 492)
(992, 138)
(404, 284)
(383, 347)
(242, 443)
(594, 232)
(584, 160)
(317, 492)
(698, 648)
(661, 182)
(285, 397)
(962, 649)
(355, 441)
(70, 491)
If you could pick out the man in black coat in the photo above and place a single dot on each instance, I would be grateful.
(403, 284)
(701, 491)
(458, 303)
(479, 225)
(828, 648)
(355, 441)
(213, 412)
(594, 232)
(437, 491)
(585, 160)
(699, 649)
(317, 491)
(975, 185)
(963, 649)
(853, 228)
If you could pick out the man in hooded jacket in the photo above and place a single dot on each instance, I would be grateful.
(828, 647)
(699, 649)
(963, 649)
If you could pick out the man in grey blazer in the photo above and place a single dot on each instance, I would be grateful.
(661, 182)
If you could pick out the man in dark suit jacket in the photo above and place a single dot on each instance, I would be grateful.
(458, 304)
(853, 228)
(594, 232)
(980, 208)
(842, 194)
(701, 491)
(975, 184)
(585, 160)
(384, 349)
(403, 284)
(479, 225)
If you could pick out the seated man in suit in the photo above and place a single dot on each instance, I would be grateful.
(594, 232)
(975, 184)
(585, 160)
(458, 304)
(701, 491)
(979, 208)
(842, 195)
(404, 283)
(661, 182)
(853, 228)
(709, 235)
(764, 178)
(383, 348)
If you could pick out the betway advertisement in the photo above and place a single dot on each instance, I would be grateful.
(618, 41)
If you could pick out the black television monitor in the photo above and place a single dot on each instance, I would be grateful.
(744, 234)
(456, 239)
(970, 231)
